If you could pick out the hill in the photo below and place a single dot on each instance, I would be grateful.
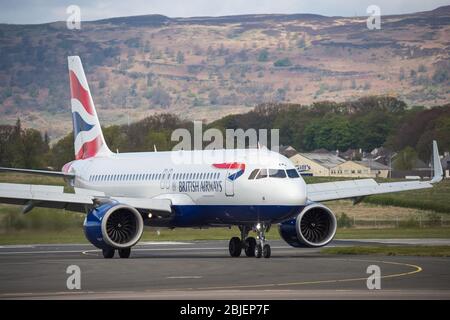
(209, 67)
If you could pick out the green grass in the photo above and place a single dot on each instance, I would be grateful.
(430, 251)
(10, 177)
(76, 235)
(393, 233)
(434, 199)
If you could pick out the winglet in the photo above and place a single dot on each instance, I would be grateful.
(438, 173)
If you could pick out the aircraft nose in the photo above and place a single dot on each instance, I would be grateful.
(296, 192)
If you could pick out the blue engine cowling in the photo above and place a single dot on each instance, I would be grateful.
(314, 226)
(113, 225)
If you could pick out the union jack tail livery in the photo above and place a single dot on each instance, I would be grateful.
(88, 136)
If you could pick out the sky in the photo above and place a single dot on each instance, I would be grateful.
(41, 11)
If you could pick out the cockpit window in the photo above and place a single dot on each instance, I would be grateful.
(292, 173)
(262, 174)
(253, 174)
(277, 173)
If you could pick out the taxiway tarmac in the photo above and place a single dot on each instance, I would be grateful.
(204, 270)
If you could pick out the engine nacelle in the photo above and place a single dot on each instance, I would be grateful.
(113, 225)
(315, 226)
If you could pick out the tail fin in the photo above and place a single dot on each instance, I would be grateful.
(88, 135)
(438, 173)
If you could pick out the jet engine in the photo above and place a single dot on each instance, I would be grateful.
(113, 225)
(314, 226)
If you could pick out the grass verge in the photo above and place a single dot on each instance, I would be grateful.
(393, 233)
(76, 235)
(425, 251)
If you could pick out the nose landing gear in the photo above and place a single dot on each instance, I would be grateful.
(252, 247)
(262, 248)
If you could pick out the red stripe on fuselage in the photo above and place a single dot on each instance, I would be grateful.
(89, 149)
(79, 93)
(230, 165)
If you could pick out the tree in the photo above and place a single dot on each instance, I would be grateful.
(301, 43)
(160, 97)
(159, 139)
(401, 76)
(285, 62)
(263, 55)
(405, 159)
(440, 75)
(180, 57)
(62, 152)
(280, 95)
(214, 96)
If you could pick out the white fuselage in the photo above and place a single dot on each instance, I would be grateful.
(190, 178)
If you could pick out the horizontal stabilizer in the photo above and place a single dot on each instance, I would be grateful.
(40, 172)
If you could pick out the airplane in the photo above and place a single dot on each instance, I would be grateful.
(252, 188)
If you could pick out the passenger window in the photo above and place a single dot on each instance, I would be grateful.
(262, 174)
(253, 174)
(277, 173)
(292, 173)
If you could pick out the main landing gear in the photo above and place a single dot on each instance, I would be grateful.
(250, 245)
(123, 253)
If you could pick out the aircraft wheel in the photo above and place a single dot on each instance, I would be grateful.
(258, 251)
(235, 247)
(124, 253)
(108, 253)
(266, 251)
(250, 244)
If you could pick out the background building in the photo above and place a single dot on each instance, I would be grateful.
(322, 163)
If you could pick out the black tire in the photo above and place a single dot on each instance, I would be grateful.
(250, 244)
(235, 247)
(124, 253)
(108, 253)
(266, 251)
(258, 251)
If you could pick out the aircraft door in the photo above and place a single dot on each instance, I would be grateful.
(169, 178)
(162, 182)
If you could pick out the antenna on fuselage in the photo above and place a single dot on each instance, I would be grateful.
(154, 148)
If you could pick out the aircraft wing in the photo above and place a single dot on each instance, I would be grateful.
(359, 188)
(82, 200)
(40, 172)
